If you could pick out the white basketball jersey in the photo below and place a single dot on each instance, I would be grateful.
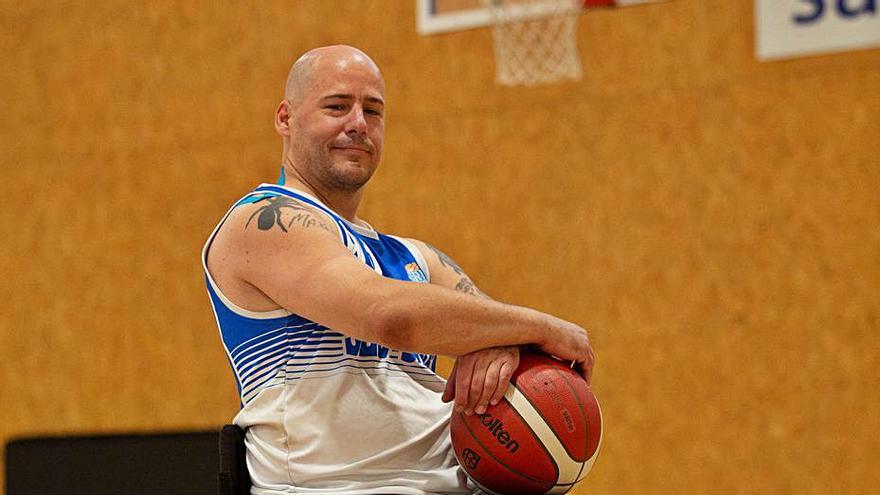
(329, 414)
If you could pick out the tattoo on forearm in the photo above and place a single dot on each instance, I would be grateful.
(271, 214)
(446, 260)
(465, 285)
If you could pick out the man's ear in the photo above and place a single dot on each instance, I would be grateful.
(282, 118)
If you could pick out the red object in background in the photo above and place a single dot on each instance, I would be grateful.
(598, 3)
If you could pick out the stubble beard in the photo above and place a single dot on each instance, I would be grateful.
(320, 167)
(349, 181)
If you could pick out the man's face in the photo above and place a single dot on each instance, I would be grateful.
(338, 127)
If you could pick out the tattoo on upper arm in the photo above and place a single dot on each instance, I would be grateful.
(272, 213)
(465, 284)
(446, 260)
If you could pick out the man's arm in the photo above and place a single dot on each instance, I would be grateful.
(289, 256)
(481, 377)
(445, 271)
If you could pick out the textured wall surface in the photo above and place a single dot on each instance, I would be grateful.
(713, 220)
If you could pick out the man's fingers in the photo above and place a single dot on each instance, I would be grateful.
(449, 392)
(478, 380)
(490, 385)
(590, 367)
(481, 379)
(586, 367)
(463, 383)
(504, 375)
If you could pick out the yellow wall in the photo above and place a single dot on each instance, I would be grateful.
(714, 220)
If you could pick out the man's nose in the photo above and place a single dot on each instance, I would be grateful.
(357, 123)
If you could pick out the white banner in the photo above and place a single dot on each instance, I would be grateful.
(794, 28)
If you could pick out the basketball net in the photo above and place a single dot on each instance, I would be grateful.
(535, 40)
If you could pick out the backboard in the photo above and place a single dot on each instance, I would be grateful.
(441, 16)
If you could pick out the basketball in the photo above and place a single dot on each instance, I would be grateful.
(543, 437)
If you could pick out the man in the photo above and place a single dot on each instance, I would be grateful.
(331, 328)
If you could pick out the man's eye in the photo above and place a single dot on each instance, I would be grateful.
(372, 111)
(335, 107)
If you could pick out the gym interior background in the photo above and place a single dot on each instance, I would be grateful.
(714, 220)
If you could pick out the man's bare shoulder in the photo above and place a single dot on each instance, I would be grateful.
(278, 214)
(267, 226)
(267, 243)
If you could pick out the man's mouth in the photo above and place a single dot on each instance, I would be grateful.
(354, 148)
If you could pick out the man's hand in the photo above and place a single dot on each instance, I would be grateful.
(480, 378)
(573, 346)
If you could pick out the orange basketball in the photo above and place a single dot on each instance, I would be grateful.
(543, 437)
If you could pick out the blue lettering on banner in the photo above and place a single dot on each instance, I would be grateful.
(819, 9)
(867, 7)
(848, 9)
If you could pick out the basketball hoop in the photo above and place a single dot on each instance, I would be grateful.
(535, 40)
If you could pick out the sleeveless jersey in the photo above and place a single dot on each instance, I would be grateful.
(327, 413)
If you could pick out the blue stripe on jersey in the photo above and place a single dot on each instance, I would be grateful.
(266, 352)
(255, 199)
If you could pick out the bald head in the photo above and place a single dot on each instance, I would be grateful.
(332, 120)
(340, 57)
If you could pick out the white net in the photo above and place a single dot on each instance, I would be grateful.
(535, 40)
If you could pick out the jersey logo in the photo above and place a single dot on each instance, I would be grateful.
(415, 273)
